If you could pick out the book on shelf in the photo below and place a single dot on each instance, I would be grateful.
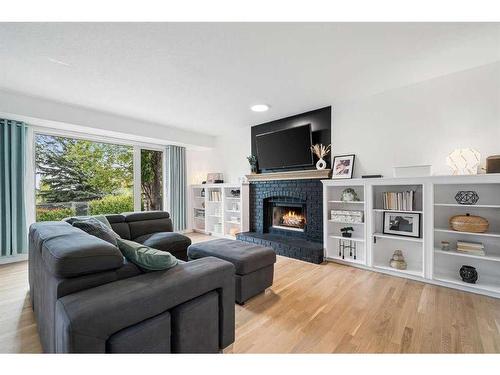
(215, 196)
(399, 201)
(475, 248)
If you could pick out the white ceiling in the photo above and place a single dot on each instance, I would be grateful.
(204, 76)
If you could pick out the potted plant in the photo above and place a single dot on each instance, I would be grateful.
(252, 160)
(346, 231)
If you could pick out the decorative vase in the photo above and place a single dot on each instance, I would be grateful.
(347, 234)
(398, 260)
(321, 164)
(254, 169)
(468, 274)
(469, 223)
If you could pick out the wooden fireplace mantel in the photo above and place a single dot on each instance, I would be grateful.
(292, 175)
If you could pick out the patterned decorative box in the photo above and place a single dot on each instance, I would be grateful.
(349, 217)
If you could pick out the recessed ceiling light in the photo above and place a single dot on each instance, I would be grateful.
(59, 62)
(259, 107)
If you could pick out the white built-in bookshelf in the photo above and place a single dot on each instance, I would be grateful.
(333, 240)
(434, 201)
(217, 209)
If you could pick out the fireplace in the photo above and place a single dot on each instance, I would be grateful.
(287, 216)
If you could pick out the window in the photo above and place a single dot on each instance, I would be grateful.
(151, 180)
(81, 177)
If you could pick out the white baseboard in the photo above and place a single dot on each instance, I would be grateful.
(13, 258)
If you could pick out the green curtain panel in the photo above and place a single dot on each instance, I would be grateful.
(13, 236)
(176, 185)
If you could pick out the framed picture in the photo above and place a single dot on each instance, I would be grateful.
(343, 166)
(402, 224)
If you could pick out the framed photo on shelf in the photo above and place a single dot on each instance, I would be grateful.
(343, 166)
(402, 224)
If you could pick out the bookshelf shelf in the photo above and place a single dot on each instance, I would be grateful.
(344, 223)
(342, 202)
(345, 260)
(347, 238)
(487, 234)
(409, 212)
(413, 272)
(488, 286)
(398, 238)
(465, 206)
(465, 255)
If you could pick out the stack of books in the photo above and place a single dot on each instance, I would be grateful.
(215, 196)
(473, 248)
(399, 201)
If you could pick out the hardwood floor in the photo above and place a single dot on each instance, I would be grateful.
(311, 308)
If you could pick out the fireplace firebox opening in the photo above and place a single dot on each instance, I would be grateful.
(288, 217)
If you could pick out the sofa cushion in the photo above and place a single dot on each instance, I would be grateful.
(115, 218)
(245, 256)
(145, 215)
(145, 257)
(97, 228)
(78, 253)
(166, 241)
(45, 230)
(143, 227)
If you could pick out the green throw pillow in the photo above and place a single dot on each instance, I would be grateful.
(146, 257)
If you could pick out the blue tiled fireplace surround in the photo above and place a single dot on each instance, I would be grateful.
(307, 245)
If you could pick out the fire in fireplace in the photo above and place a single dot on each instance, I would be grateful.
(289, 217)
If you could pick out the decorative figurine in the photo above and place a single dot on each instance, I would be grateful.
(349, 195)
(398, 260)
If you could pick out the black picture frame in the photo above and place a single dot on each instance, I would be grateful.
(351, 170)
(416, 215)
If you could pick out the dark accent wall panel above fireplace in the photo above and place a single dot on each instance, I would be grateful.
(321, 129)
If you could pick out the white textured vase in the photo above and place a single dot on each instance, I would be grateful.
(321, 164)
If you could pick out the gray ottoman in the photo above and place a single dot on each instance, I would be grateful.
(254, 264)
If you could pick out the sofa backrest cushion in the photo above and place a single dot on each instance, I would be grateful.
(141, 223)
(119, 225)
(70, 252)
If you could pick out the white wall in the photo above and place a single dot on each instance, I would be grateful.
(422, 123)
(417, 124)
(47, 113)
(228, 156)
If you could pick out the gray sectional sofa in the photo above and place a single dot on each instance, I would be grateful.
(88, 299)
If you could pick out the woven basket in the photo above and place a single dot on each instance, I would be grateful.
(469, 223)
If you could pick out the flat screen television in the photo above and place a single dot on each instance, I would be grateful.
(285, 148)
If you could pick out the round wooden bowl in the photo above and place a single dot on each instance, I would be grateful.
(469, 223)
